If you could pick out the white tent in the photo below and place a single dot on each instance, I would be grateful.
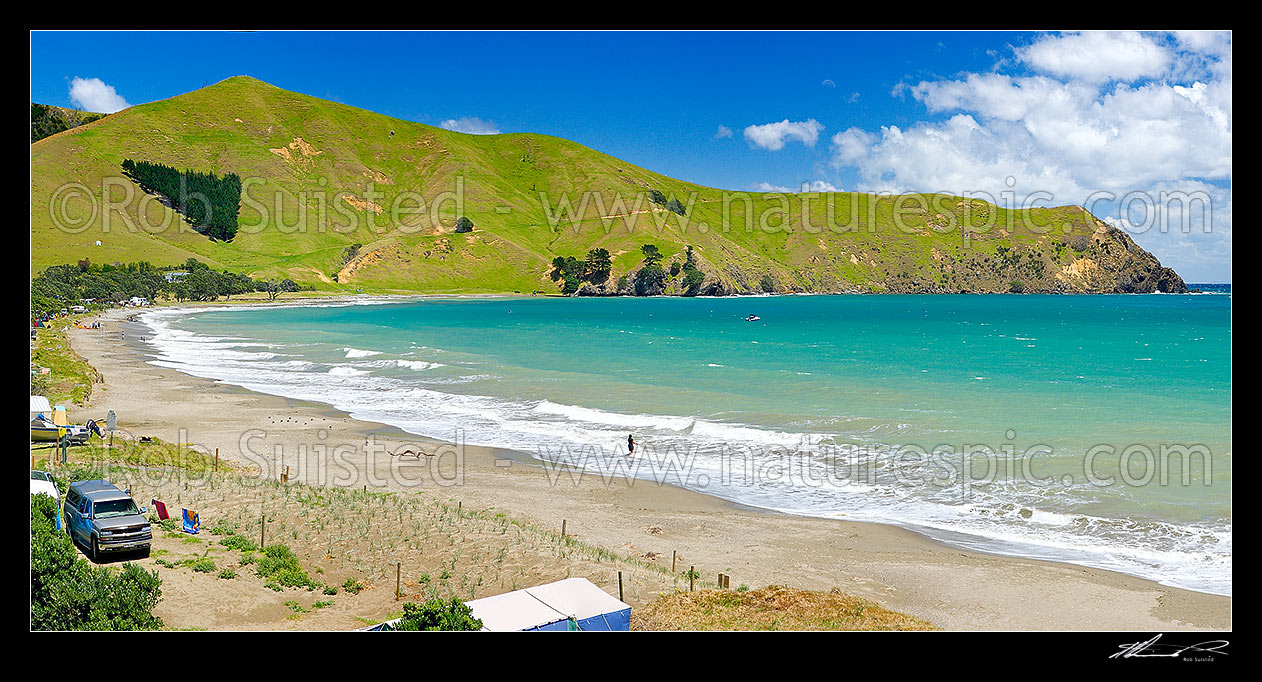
(40, 405)
(573, 604)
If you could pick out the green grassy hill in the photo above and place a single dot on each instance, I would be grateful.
(47, 119)
(321, 176)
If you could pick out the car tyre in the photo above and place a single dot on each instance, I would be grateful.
(96, 552)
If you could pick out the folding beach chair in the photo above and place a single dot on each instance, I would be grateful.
(192, 524)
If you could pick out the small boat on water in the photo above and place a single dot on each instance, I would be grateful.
(752, 318)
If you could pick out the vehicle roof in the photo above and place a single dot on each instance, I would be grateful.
(97, 489)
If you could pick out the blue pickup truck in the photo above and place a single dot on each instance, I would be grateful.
(104, 519)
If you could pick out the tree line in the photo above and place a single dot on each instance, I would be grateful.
(210, 203)
(49, 120)
(60, 286)
(649, 280)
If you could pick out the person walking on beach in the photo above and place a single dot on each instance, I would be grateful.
(630, 445)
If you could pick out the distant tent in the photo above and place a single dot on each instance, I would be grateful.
(574, 604)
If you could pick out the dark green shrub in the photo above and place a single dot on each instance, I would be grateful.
(597, 266)
(438, 614)
(650, 280)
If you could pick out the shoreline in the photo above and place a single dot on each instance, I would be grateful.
(896, 567)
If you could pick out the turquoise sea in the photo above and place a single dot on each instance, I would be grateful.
(1089, 429)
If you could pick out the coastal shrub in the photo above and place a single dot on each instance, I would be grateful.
(650, 281)
(693, 277)
(202, 564)
(69, 593)
(566, 266)
(598, 266)
(446, 615)
(572, 272)
(692, 281)
(464, 225)
(767, 284)
(281, 565)
(652, 255)
(353, 586)
(349, 253)
(239, 542)
(210, 203)
(675, 207)
(274, 288)
(657, 197)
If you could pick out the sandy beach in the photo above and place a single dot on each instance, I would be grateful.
(951, 588)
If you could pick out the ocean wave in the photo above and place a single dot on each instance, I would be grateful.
(346, 371)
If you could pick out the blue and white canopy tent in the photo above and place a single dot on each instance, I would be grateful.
(574, 604)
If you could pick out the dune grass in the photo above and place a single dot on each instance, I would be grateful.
(771, 608)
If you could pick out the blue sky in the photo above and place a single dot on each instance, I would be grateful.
(982, 112)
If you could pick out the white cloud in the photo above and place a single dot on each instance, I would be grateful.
(93, 94)
(1073, 136)
(470, 124)
(1208, 42)
(1098, 55)
(722, 132)
(768, 187)
(773, 135)
(806, 186)
(820, 186)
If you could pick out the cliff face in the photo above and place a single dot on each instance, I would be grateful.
(322, 180)
(1099, 259)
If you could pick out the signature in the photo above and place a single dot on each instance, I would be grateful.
(1152, 649)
